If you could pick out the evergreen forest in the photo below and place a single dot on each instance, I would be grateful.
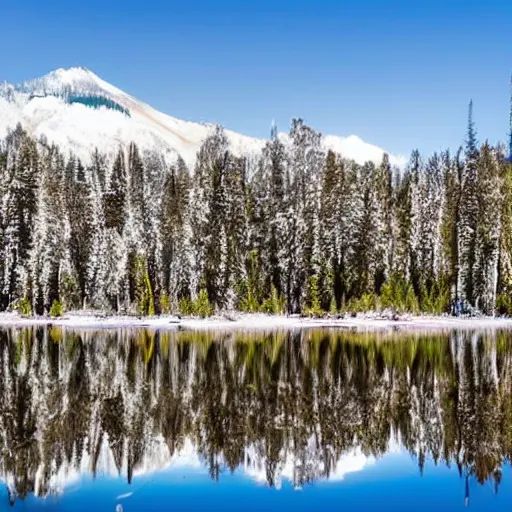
(300, 230)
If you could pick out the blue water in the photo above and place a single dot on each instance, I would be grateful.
(391, 483)
(138, 399)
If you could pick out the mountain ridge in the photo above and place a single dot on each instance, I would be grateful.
(54, 106)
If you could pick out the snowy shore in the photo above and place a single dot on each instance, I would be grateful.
(257, 322)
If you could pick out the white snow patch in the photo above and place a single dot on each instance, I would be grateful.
(354, 148)
(256, 322)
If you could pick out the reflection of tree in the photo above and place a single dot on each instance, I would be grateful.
(111, 424)
(249, 399)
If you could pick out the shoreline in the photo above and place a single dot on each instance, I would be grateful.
(256, 321)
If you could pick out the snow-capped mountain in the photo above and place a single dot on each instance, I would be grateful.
(58, 106)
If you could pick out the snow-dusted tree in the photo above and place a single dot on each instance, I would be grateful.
(136, 201)
(136, 238)
(404, 192)
(154, 172)
(449, 257)
(80, 211)
(209, 212)
(50, 242)
(468, 214)
(115, 207)
(115, 197)
(336, 230)
(99, 169)
(384, 241)
(236, 229)
(98, 268)
(20, 209)
(306, 164)
(365, 254)
(331, 195)
(260, 239)
(428, 207)
(4, 180)
(505, 260)
(267, 212)
(488, 229)
(175, 233)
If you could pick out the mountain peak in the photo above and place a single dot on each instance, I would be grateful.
(72, 73)
(76, 79)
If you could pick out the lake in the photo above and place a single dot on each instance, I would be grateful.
(134, 419)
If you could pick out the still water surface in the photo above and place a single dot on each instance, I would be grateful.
(133, 420)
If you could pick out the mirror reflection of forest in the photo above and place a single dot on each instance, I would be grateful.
(73, 400)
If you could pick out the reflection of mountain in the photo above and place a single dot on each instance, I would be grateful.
(296, 406)
(255, 465)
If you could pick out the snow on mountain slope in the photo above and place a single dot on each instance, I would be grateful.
(43, 107)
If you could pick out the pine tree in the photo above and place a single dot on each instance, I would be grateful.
(48, 251)
(115, 208)
(155, 168)
(175, 233)
(488, 229)
(99, 169)
(505, 257)
(209, 213)
(115, 197)
(384, 240)
(450, 221)
(335, 230)
(20, 212)
(262, 244)
(306, 160)
(136, 201)
(366, 252)
(98, 269)
(236, 228)
(4, 180)
(468, 215)
(80, 212)
(273, 208)
(404, 192)
(428, 206)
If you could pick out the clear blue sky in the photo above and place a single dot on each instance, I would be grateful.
(397, 73)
